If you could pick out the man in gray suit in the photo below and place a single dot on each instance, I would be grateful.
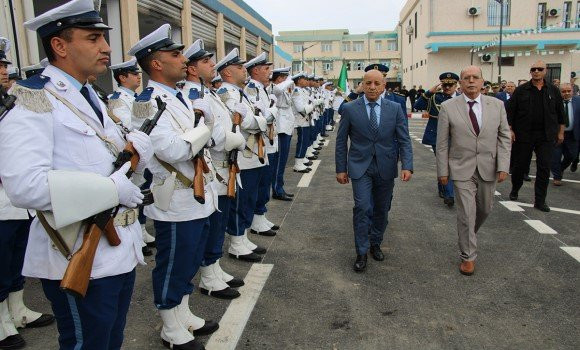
(473, 147)
(372, 123)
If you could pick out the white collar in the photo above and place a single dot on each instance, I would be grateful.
(477, 99)
(257, 83)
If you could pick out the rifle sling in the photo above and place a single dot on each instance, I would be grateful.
(54, 236)
(178, 174)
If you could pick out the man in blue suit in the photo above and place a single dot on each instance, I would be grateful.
(565, 152)
(372, 123)
(506, 94)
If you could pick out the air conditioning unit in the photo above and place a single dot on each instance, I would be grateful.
(409, 30)
(486, 58)
(553, 12)
(474, 11)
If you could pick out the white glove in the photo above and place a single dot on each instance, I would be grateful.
(129, 194)
(309, 108)
(241, 108)
(142, 143)
(204, 107)
(234, 140)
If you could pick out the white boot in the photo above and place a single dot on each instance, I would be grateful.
(319, 138)
(299, 164)
(328, 127)
(7, 327)
(269, 223)
(251, 246)
(189, 320)
(238, 246)
(21, 315)
(226, 277)
(147, 238)
(259, 223)
(211, 278)
(173, 331)
(309, 152)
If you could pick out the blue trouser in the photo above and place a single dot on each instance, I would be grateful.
(180, 250)
(372, 202)
(303, 141)
(330, 117)
(447, 190)
(13, 240)
(242, 208)
(568, 149)
(217, 229)
(280, 166)
(97, 321)
(148, 180)
(265, 184)
(314, 131)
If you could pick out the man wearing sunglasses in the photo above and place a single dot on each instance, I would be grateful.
(536, 118)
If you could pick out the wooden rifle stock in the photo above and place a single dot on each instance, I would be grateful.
(78, 272)
(199, 165)
(233, 157)
(261, 145)
(271, 133)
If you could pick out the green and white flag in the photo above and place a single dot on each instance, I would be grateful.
(343, 79)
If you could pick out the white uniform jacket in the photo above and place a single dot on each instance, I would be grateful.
(171, 148)
(7, 210)
(231, 95)
(258, 95)
(302, 107)
(121, 105)
(56, 139)
(285, 116)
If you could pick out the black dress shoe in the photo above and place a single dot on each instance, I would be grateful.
(311, 159)
(449, 201)
(252, 257)
(309, 163)
(441, 195)
(146, 251)
(227, 293)
(574, 166)
(282, 197)
(513, 196)
(275, 228)
(542, 207)
(527, 177)
(12, 342)
(316, 153)
(360, 263)
(377, 253)
(42, 321)
(268, 233)
(191, 345)
(317, 148)
(260, 250)
(236, 282)
(208, 328)
(305, 171)
(289, 195)
(151, 244)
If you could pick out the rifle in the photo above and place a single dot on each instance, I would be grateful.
(199, 165)
(78, 272)
(6, 103)
(271, 127)
(233, 157)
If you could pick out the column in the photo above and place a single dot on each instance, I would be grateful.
(259, 49)
(115, 35)
(129, 25)
(243, 43)
(186, 28)
(219, 36)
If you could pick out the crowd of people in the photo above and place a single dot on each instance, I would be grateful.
(208, 141)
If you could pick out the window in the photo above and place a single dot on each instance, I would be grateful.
(358, 65)
(346, 46)
(541, 22)
(392, 45)
(386, 63)
(296, 66)
(415, 31)
(507, 61)
(358, 46)
(378, 45)
(348, 66)
(327, 65)
(567, 9)
(298, 47)
(410, 34)
(326, 46)
(494, 13)
(554, 71)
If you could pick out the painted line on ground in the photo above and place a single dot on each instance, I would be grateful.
(573, 251)
(238, 313)
(326, 143)
(306, 178)
(561, 210)
(541, 227)
(511, 206)
(497, 193)
(563, 180)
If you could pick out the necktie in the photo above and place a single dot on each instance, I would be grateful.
(472, 117)
(566, 115)
(180, 98)
(135, 95)
(87, 96)
(373, 119)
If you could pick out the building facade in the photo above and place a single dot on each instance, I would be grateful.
(223, 25)
(323, 52)
(440, 35)
(281, 58)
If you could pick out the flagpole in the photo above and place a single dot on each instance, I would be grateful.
(500, 39)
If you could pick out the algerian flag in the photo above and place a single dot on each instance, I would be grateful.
(343, 79)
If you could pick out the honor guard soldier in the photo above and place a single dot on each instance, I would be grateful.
(328, 94)
(182, 204)
(128, 78)
(282, 86)
(35, 69)
(316, 142)
(14, 228)
(225, 139)
(216, 82)
(61, 147)
(259, 70)
(431, 101)
(250, 161)
(302, 108)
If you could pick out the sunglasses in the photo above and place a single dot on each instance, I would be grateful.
(536, 69)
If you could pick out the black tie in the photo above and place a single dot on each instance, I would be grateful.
(180, 98)
(135, 95)
(87, 96)
(566, 114)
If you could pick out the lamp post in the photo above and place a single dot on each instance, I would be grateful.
(304, 49)
(500, 39)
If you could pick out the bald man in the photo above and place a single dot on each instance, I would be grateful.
(372, 123)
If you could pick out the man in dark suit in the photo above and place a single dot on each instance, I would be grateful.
(565, 152)
(372, 123)
(507, 93)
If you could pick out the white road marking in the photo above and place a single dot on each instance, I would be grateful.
(326, 143)
(567, 211)
(563, 180)
(573, 251)
(236, 316)
(307, 177)
(497, 193)
(541, 227)
(428, 146)
(511, 206)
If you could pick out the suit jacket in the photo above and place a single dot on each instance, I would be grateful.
(355, 124)
(576, 112)
(460, 151)
(502, 96)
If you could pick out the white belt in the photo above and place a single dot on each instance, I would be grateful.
(126, 218)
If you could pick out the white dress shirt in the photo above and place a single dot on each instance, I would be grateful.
(476, 108)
